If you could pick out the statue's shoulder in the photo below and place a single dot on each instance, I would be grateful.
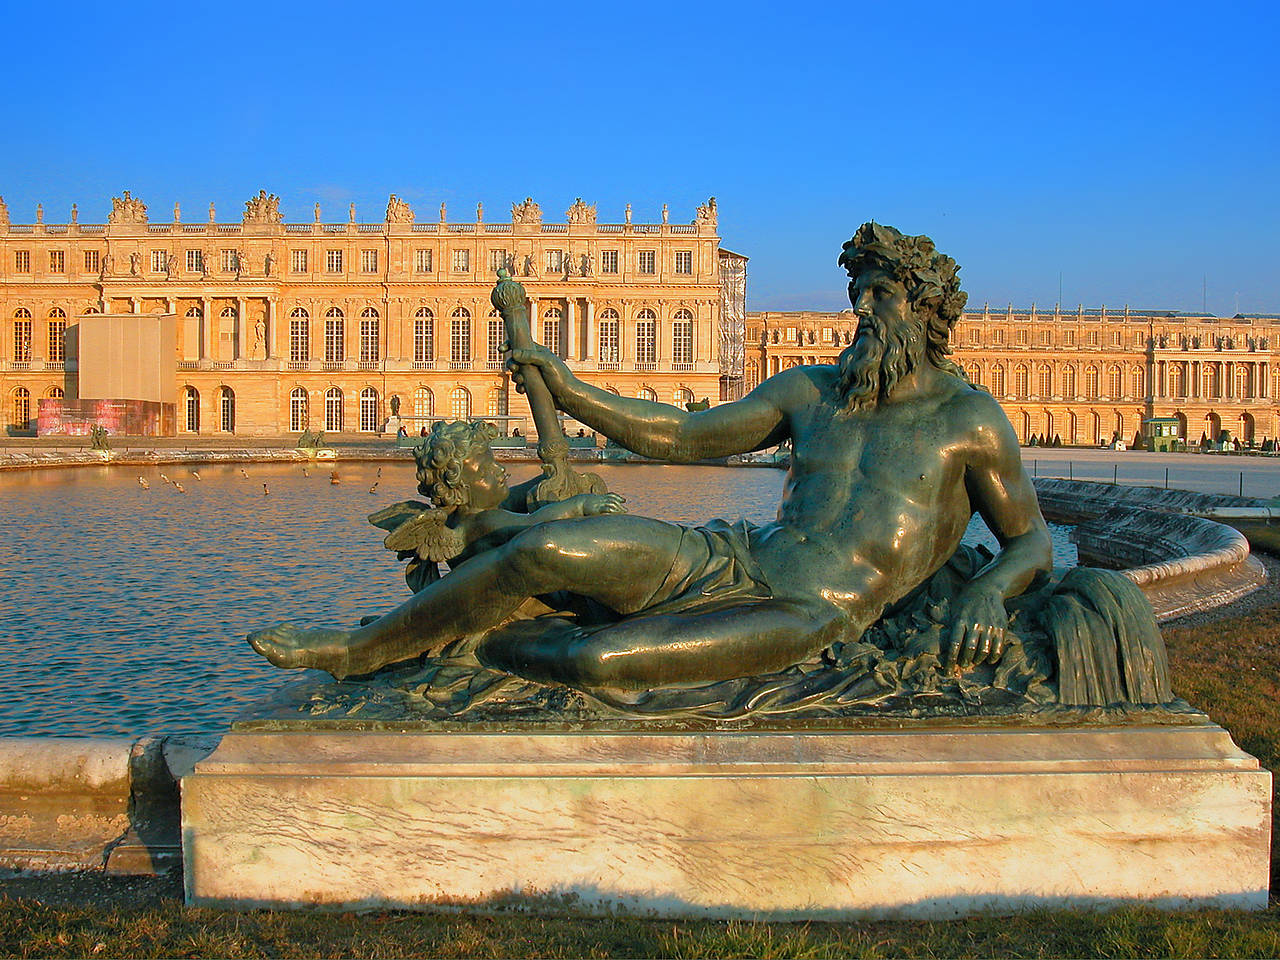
(974, 413)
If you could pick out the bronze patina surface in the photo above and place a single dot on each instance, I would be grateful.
(857, 598)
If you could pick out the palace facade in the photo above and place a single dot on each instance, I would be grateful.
(1084, 376)
(282, 327)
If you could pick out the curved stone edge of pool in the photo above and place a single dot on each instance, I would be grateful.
(108, 805)
(1183, 562)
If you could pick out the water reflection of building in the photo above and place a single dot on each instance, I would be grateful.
(281, 326)
(1083, 375)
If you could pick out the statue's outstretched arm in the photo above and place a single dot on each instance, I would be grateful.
(660, 430)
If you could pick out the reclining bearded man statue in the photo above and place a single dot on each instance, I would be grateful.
(892, 452)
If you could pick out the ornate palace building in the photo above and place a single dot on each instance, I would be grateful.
(1083, 375)
(277, 327)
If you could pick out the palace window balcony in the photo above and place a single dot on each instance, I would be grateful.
(645, 365)
(222, 365)
(681, 367)
(459, 364)
(608, 365)
(424, 364)
(188, 364)
(299, 365)
(494, 364)
(367, 365)
(54, 364)
(331, 365)
(19, 364)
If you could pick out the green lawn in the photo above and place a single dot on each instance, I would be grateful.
(1231, 668)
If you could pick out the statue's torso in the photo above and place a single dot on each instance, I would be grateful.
(874, 501)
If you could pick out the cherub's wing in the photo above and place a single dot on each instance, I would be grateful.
(427, 534)
(388, 518)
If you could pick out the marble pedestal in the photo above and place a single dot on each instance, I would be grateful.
(784, 824)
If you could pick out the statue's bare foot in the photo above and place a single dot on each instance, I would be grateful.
(286, 645)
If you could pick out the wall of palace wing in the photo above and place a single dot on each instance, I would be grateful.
(286, 325)
(1083, 375)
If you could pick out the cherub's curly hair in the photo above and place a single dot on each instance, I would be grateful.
(440, 459)
(929, 277)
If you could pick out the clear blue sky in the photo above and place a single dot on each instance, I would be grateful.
(1131, 148)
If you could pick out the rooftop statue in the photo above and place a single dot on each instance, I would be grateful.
(127, 209)
(859, 596)
(398, 211)
(264, 208)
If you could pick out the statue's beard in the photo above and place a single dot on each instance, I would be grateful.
(877, 359)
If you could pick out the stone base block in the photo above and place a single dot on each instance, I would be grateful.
(778, 825)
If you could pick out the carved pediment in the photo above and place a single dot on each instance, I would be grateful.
(127, 209)
(264, 208)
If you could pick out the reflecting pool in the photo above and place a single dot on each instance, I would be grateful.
(123, 609)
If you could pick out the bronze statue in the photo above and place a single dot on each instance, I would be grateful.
(892, 452)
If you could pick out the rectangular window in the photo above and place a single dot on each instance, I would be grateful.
(555, 261)
(975, 335)
(1093, 338)
(462, 261)
(997, 336)
(646, 341)
(608, 341)
(497, 334)
(1044, 338)
(195, 261)
(92, 261)
(1115, 338)
(497, 259)
(298, 261)
(228, 261)
(648, 261)
(684, 262)
(22, 261)
(424, 347)
(57, 346)
(335, 347)
(422, 261)
(1021, 338)
(333, 261)
(608, 261)
(368, 261)
(682, 342)
(158, 261)
(1068, 338)
(57, 261)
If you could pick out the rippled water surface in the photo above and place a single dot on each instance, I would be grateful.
(123, 610)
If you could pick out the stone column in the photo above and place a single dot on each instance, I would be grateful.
(590, 349)
(135, 305)
(570, 329)
(206, 327)
(272, 345)
(535, 330)
(242, 332)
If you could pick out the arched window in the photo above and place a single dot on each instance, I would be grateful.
(54, 393)
(753, 375)
(368, 410)
(333, 410)
(497, 334)
(552, 321)
(424, 403)
(335, 337)
(369, 336)
(460, 404)
(1096, 420)
(682, 340)
(1138, 379)
(647, 393)
(1091, 385)
(57, 333)
(424, 335)
(20, 417)
(608, 335)
(299, 337)
(227, 409)
(1178, 380)
(1021, 384)
(191, 406)
(22, 336)
(974, 373)
(1115, 383)
(1213, 383)
(497, 406)
(1069, 384)
(646, 337)
(612, 389)
(460, 336)
(1045, 383)
(997, 380)
(682, 396)
(299, 411)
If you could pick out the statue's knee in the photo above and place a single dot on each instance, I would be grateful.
(535, 549)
